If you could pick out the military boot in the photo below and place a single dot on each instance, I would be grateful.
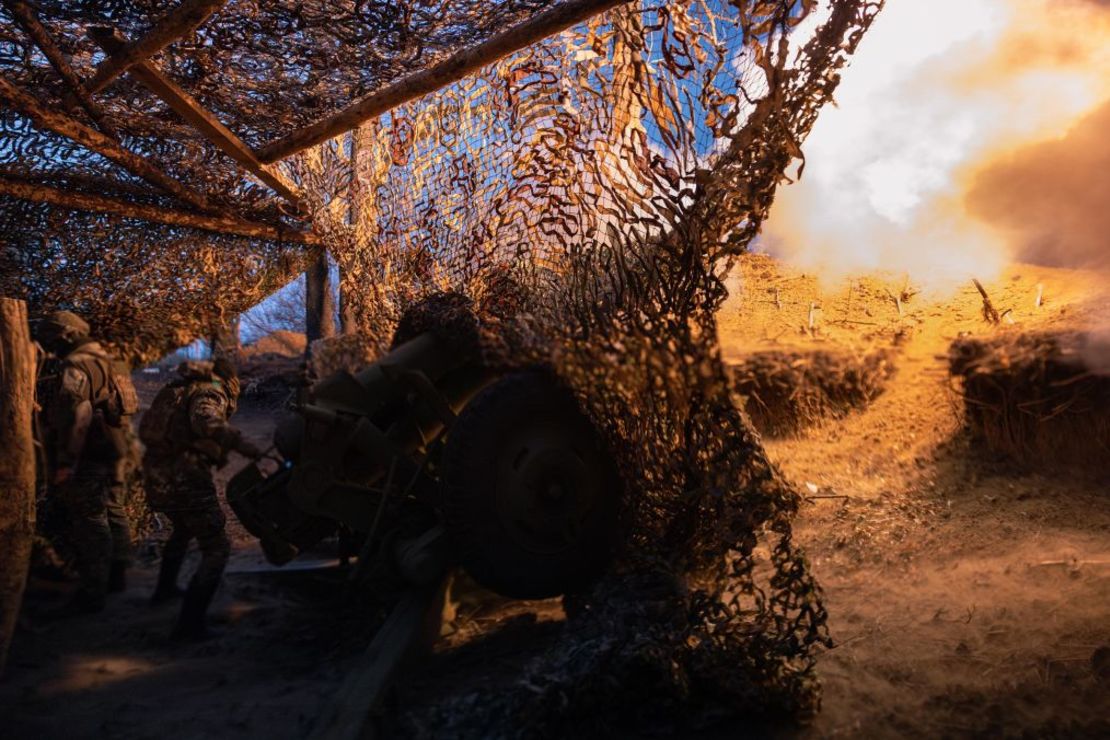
(167, 588)
(192, 624)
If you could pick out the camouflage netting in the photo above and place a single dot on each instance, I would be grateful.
(618, 170)
(602, 180)
(262, 68)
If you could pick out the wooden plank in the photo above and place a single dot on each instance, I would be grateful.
(63, 125)
(182, 20)
(452, 69)
(17, 464)
(354, 713)
(33, 27)
(113, 42)
(98, 203)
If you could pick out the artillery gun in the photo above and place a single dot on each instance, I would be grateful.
(433, 459)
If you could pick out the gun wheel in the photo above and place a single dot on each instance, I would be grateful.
(531, 495)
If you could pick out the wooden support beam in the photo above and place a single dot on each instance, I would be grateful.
(319, 315)
(146, 72)
(182, 20)
(17, 464)
(452, 69)
(101, 204)
(33, 27)
(77, 181)
(409, 632)
(348, 320)
(63, 125)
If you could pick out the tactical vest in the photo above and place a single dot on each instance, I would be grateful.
(111, 391)
(113, 398)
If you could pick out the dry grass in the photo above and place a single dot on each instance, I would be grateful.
(1036, 398)
(785, 392)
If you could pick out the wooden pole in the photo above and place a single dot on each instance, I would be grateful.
(410, 631)
(319, 316)
(348, 321)
(452, 69)
(180, 21)
(197, 116)
(30, 23)
(17, 463)
(63, 125)
(103, 204)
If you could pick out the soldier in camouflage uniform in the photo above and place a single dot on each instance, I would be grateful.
(86, 401)
(187, 434)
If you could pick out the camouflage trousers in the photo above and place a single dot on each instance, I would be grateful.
(186, 495)
(206, 526)
(99, 529)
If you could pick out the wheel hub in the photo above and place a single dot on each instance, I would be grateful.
(546, 495)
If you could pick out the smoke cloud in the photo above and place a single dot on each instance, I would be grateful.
(965, 136)
(1052, 199)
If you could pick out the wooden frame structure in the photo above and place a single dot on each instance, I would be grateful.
(133, 58)
(452, 69)
(221, 224)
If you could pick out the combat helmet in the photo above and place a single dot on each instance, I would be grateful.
(61, 331)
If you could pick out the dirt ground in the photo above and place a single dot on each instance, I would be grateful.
(967, 597)
(284, 643)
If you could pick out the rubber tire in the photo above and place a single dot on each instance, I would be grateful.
(489, 435)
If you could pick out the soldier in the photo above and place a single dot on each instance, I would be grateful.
(87, 402)
(187, 434)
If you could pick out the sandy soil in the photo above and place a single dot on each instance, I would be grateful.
(967, 598)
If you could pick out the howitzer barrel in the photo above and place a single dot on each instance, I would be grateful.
(368, 390)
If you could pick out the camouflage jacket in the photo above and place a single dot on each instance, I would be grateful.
(209, 411)
(195, 425)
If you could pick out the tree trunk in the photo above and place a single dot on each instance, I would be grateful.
(319, 304)
(17, 463)
(225, 340)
